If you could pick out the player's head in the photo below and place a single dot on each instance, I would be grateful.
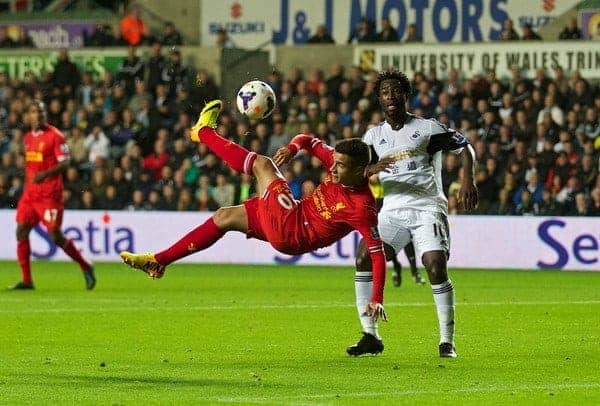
(350, 158)
(37, 114)
(392, 89)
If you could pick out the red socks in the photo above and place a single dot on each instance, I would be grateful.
(23, 256)
(198, 239)
(74, 253)
(236, 156)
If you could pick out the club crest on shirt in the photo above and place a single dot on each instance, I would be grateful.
(383, 141)
(374, 233)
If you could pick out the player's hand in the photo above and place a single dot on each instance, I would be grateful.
(39, 177)
(468, 196)
(383, 165)
(376, 311)
(282, 156)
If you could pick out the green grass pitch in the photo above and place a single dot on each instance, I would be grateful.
(277, 335)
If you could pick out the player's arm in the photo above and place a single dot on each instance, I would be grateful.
(444, 139)
(310, 144)
(375, 247)
(61, 151)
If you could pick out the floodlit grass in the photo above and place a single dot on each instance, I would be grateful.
(277, 335)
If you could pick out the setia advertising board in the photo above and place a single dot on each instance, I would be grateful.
(568, 243)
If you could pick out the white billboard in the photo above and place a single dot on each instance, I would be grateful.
(569, 243)
(251, 23)
(470, 59)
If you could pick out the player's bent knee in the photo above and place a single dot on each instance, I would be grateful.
(222, 217)
(263, 164)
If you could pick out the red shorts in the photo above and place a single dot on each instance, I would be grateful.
(275, 218)
(31, 211)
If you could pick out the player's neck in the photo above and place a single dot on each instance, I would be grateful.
(396, 121)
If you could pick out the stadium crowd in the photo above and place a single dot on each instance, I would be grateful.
(537, 140)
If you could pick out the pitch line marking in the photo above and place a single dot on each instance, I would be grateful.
(157, 306)
(413, 392)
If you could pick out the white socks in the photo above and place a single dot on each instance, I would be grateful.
(443, 296)
(363, 286)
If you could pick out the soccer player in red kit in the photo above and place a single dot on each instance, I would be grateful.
(46, 158)
(341, 203)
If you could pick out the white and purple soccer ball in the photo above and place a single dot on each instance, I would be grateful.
(256, 100)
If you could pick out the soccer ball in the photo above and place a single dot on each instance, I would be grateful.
(256, 100)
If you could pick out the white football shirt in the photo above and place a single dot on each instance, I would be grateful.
(415, 180)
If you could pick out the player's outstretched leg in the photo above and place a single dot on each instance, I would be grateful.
(145, 262)
(236, 156)
(225, 219)
(409, 250)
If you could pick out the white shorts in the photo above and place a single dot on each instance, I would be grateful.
(428, 230)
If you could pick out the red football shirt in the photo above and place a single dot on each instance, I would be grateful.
(333, 210)
(43, 150)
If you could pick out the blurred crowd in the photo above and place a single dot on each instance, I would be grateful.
(537, 140)
(131, 30)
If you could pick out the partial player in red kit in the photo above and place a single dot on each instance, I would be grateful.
(343, 202)
(46, 158)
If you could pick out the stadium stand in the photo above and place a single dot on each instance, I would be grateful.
(537, 140)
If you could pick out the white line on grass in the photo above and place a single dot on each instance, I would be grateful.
(412, 392)
(241, 306)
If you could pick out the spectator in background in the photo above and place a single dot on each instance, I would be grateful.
(412, 34)
(102, 36)
(363, 32)
(223, 193)
(66, 74)
(508, 32)
(24, 40)
(98, 145)
(156, 160)
(131, 70)
(571, 31)
(170, 35)
(387, 33)
(155, 65)
(133, 29)
(223, 40)
(321, 36)
(5, 40)
(529, 34)
(77, 146)
(175, 74)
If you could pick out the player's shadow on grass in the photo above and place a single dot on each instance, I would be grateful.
(152, 381)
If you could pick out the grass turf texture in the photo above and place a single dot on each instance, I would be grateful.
(277, 335)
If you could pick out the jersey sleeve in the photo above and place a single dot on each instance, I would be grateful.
(61, 149)
(367, 227)
(443, 138)
(314, 147)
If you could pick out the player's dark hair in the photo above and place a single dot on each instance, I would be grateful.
(41, 106)
(358, 151)
(393, 75)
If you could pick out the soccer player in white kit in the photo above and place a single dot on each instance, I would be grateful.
(414, 205)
